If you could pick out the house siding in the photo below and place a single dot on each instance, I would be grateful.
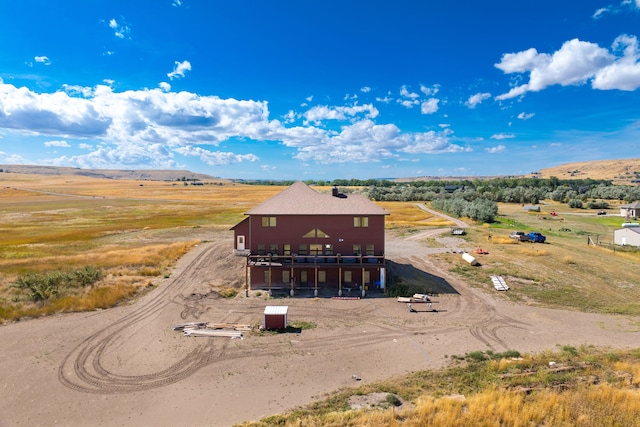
(335, 264)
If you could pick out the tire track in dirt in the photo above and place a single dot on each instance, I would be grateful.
(471, 308)
(83, 369)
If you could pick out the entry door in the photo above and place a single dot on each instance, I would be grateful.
(240, 243)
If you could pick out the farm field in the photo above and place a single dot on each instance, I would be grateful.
(167, 247)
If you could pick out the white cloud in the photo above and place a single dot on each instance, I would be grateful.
(496, 149)
(164, 86)
(61, 144)
(43, 60)
(179, 69)
(15, 159)
(150, 128)
(430, 91)
(409, 103)
(121, 31)
(290, 117)
(429, 106)
(320, 113)
(366, 141)
(176, 3)
(500, 136)
(477, 99)
(525, 116)
(404, 91)
(600, 12)
(215, 158)
(365, 89)
(614, 9)
(624, 73)
(576, 63)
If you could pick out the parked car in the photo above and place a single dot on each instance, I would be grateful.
(521, 236)
(602, 213)
(536, 237)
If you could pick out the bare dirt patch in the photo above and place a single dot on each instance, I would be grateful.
(126, 366)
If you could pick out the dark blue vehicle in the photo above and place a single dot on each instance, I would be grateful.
(536, 237)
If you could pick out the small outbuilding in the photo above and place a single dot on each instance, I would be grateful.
(632, 210)
(628, 236)
(275, 316)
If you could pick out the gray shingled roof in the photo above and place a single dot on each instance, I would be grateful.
(300, 199)
(633, 205)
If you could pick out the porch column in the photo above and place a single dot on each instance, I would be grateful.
(315, 292)
(247, 286)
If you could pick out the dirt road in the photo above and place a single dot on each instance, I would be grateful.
(127, 367)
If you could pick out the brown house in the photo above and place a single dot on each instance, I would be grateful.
(303, 239)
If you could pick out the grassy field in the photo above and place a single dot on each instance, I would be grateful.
(134, 231)
(571, 387)
(566, 271)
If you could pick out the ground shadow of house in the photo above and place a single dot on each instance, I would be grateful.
(405, 280)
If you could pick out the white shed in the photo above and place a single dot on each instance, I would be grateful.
(275, 316)
(629, 236)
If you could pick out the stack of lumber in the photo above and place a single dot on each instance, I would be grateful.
(499, 283)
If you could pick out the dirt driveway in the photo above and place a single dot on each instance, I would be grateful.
(127, 367)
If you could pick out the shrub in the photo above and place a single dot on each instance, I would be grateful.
(575, 203)
(49, 285)
(598, 205)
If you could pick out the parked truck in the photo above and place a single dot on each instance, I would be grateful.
(520, 236)
(536, 237)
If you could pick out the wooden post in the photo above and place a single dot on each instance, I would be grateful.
(315, 292)
(269, 270)
(246, 278)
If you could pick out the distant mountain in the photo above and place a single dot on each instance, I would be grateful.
(143, 174)
(623, 171)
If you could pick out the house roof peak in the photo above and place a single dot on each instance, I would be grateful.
(300, 199)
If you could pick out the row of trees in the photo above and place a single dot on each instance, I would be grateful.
(503, 191)
(507, 190)
(479, 209)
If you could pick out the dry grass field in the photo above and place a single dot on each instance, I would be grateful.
(619, 171)
(132, 230)
(136, 231)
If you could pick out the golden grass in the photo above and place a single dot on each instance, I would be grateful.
(590, 388)
(533, 252)
(619, 171)
(502, 240)
(408, 215)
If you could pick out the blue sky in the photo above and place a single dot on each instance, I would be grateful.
(319, 90)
